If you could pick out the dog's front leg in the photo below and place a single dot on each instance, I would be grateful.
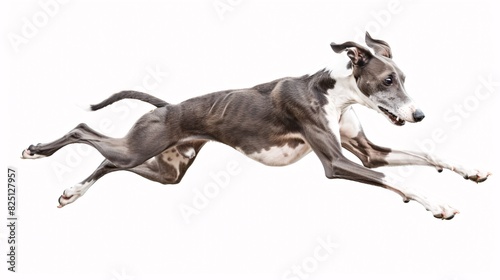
(354, 140)
(343, 168)
(336, 166)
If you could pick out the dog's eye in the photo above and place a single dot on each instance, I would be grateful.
(388, 81)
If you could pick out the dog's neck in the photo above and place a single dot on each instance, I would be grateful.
(345, 93)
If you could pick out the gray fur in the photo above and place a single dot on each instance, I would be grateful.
(289, 112)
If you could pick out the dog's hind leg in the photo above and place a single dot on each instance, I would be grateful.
(371, 155)
(166, 168)
(71, 194)
(79, 134)
(149, 136)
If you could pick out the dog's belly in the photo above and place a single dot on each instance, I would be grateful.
(280, 155)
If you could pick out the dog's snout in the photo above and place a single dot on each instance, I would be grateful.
(418, 115)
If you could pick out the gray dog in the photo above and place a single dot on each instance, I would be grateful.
(275, 123)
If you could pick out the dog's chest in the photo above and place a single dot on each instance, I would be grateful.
(340, 100)
(332, 114)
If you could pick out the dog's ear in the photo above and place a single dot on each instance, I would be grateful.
(380, 47)
(358, 54)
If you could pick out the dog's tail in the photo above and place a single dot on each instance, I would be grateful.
(130, 94)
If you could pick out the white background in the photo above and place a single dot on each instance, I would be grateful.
(267, 220)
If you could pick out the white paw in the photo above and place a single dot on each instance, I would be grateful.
(472, 174)
(443, 211)
(71, 194)
(27, 154)
(476, 175)
(65, 199)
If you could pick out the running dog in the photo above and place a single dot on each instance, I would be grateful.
(275, 123)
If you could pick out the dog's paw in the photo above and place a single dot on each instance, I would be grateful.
(66, 199)
(71, 194)
(443, 211)
(30, 153)
(476, 175)
(438, 209)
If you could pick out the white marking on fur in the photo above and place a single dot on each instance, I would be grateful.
(438, 209)
(190, 153)
(282, 155)
(151, 161)
(79, 189)
(75, 192)
(406, 111)
(349, 124)
(340, 98)
(346, 93)
(174, 158)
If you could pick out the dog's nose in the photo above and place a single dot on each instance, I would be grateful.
(418, 115)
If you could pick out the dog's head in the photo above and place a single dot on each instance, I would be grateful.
(380, 80)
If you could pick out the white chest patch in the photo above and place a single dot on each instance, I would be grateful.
(340, 98)
(333, 118)
(280, 155)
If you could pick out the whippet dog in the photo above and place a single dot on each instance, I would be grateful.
(275, 123)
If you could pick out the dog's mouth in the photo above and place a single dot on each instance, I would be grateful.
(393, 118)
